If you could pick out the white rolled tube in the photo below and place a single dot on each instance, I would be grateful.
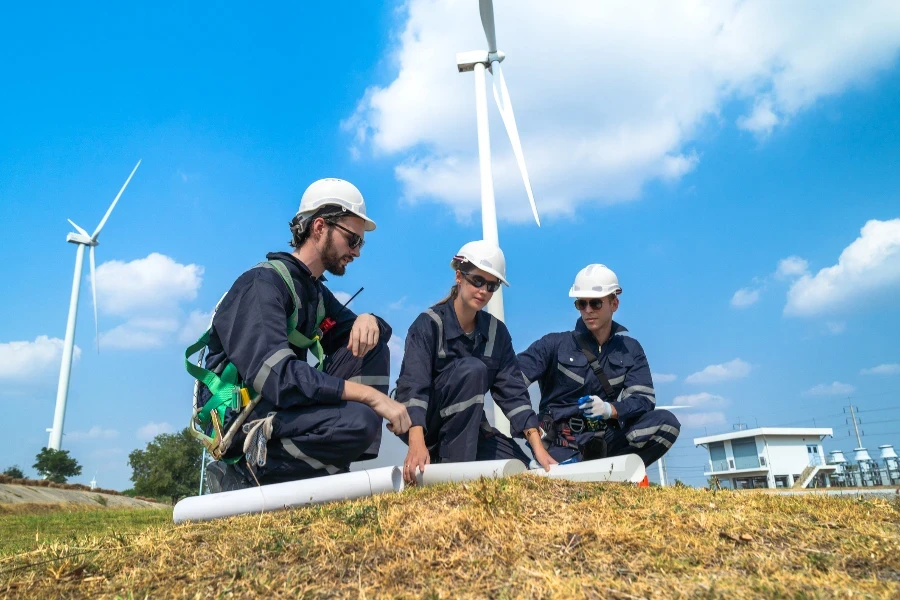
(629, 467)
(277, 496)
(467, 471)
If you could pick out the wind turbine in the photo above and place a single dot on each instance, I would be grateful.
(478, 61)
(82, 240)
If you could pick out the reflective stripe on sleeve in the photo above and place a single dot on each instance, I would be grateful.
(516, 411)
(266, 369)
(371, 379)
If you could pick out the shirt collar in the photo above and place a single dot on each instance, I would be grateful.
(452, 328)
(580, 327)
(295, 265)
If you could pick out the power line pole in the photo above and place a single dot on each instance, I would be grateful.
(855, 426)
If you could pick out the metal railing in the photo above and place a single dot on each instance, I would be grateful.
(746, 462)
(718, 465)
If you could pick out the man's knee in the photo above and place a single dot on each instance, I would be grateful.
(669, 423)
(359, 423)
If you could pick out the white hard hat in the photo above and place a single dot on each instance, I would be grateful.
(484, 255)
(334, 192)
(595, 281)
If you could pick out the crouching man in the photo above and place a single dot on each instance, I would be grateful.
(597, 397)
(309, 421)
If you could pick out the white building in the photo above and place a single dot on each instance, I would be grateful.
(769, 457)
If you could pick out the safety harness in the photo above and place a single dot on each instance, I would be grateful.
(228, 390)
(563, 433)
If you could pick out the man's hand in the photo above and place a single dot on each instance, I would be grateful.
(538, 449)
(593, 407)
(363, 335)
(417, 457)
(387, 408)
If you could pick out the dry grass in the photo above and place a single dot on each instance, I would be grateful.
(521, 537)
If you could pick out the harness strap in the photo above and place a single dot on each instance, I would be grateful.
(595, 367)
(295, 337)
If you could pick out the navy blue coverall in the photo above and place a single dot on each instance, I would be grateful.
(313, 432)
(443, 380)
(561, 369)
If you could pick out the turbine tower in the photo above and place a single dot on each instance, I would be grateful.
(82, 240)
(479, 61)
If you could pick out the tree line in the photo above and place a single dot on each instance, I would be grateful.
(167, 468)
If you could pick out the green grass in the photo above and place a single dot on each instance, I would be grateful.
(25, 532)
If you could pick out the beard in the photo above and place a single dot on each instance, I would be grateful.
(331, 259)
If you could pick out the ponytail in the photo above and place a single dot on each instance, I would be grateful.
(454, 291)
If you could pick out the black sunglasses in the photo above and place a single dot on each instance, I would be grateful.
(479, 281)
(354, 241)
(594, 303)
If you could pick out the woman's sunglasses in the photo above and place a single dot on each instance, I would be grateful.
(353, 240)
(479, 281)
(594, 303)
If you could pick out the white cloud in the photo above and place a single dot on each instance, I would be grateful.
(702, 399)
(151, 285)
(762, 120)
(26, 361)
(734, 369)
(398, 305)
(94, 433)
(151, 430)
(197, 323)
(833, 389)
(140, 333)
(745, 297)
(886, 369)
(792, 266)
(868, 267)
(618, 98)
(703, 419)
(664, 377)
(836, 327)
(341, 297)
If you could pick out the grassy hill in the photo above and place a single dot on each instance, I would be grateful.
(520, 537)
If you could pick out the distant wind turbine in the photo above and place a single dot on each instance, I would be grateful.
(479, 61)
(82, 240)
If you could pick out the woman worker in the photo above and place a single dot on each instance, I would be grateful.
(455, 353)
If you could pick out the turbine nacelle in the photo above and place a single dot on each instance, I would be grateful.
(78, 238)
(466, 61)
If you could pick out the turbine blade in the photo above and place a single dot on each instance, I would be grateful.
(487, 21)
(113, 205)
(94, 293)
(501, 96)
(77, 228)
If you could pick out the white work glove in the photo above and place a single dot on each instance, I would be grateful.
(593, 407)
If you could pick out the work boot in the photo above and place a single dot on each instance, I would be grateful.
(223, 477)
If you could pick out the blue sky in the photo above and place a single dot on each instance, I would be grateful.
(720, 158)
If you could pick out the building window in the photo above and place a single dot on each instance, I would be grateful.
(781, 481)
(717, 456)
(745, 456)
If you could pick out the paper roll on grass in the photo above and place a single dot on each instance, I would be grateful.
(629, 468)
(467, 471)
(267, 498)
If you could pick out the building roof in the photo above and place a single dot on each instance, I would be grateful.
(768, 431)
